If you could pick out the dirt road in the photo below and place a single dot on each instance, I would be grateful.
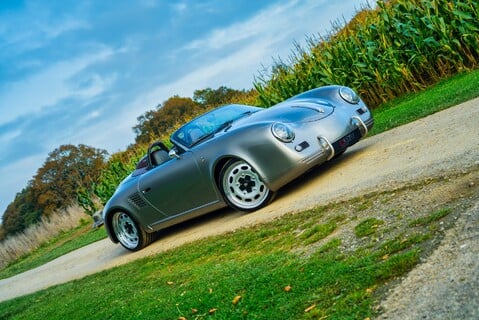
(444, 142)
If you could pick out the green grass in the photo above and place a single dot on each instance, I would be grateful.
(367, 227)
(435, 216)
(318, 232)
(447, 93)
(265, 265)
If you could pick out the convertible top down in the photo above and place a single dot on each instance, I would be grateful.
(236, 156)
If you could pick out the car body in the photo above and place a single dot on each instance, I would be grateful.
(236, 156)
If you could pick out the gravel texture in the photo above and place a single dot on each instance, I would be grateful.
(445, 286)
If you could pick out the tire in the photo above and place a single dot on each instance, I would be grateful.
(129, 233)
(242, 187)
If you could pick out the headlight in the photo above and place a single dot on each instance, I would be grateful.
(349, 95)
(282, 132)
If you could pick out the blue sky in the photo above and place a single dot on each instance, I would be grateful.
(76, 72)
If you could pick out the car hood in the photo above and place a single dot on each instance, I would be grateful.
(297, 111)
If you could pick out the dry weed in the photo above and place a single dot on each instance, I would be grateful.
(14, 247)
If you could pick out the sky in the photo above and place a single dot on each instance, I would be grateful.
(81, 72)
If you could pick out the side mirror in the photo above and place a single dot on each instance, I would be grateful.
(173, 154)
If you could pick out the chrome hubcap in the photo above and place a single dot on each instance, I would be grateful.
(243, 187)
(125, 230)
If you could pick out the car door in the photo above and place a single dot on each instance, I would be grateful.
(178, 185)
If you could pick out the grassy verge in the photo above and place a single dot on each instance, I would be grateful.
(447, 93)
(330, 262)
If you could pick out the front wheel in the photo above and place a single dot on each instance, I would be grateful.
(242, 187)
(129, 233)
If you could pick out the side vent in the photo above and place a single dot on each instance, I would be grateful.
(136, 200)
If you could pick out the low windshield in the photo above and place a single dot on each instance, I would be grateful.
(209, 123)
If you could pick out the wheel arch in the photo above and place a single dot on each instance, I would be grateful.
(219, 166)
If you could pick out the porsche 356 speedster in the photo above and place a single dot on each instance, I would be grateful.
(236, 156)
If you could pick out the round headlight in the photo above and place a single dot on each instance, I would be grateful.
(349, 95)
(282, 132)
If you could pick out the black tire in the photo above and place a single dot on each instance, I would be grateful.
(242, 187)
(129, 233)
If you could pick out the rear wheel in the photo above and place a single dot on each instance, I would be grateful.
(242, 187)
(129, 233)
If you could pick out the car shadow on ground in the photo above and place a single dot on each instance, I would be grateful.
(316, 172)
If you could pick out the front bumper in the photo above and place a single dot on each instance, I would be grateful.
(340, 145)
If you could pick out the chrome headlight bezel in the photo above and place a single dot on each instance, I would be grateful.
(282, 132)
(349, 95)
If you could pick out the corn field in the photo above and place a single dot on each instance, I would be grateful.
(118, 167)
(398, 47)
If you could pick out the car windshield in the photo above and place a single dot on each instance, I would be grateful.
(210, 123)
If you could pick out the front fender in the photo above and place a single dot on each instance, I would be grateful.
(256, 145)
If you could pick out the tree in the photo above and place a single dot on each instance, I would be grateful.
(155, 124)
(212, 98)
(67, 171)
(159, 123)
(21, 212)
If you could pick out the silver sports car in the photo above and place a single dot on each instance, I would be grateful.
(236, 156)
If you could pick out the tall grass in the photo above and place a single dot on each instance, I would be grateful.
(399, 47)
(17, 246)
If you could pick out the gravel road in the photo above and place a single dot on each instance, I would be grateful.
(445, 142)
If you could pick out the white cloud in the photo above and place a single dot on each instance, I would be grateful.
(92, 115)
(30, 29)
(48, 87)
(270, 34)
(277, 21)
(6, 137)
(179, 7)
(55, 29)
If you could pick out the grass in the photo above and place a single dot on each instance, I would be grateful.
(430, 218)
(447, 93)
(263, 265)
(367, 227)
(24, 243)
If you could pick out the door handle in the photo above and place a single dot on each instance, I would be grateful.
(145, 191)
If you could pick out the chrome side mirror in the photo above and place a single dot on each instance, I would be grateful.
(173, 154)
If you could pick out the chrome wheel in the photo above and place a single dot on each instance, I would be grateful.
(242, 186)
(126, 230)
